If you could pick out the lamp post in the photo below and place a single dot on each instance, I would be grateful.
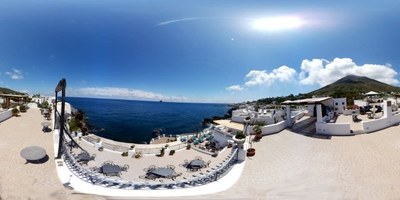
(246, 124)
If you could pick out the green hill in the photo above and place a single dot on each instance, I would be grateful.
(354, 86)
(351, 87)
(9, 91)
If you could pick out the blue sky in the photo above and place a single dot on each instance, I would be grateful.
(195, 51)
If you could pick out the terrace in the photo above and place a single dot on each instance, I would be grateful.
(136, 169)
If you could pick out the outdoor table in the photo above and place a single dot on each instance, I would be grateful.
(163, 172)
(111, 170)
(196, 164)
(33, 153)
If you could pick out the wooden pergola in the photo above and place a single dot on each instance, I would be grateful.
(7, 99)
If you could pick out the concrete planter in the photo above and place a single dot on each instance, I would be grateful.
(239, 142)
(131, 152)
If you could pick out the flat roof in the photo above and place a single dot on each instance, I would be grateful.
(307, 101)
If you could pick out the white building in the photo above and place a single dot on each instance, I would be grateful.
(340, 105)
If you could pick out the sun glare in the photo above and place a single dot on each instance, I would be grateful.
(277, 23)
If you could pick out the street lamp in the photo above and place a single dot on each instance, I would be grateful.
(246, 121)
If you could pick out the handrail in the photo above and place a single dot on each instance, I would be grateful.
(69, 134)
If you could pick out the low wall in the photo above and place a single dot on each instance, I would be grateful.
(333, 128)
(350, 112)
(382, 123)
(298, 114)
(273, 128)
(5, 115)
(238, 118)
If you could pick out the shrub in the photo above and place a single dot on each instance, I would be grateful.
(73, 124)
(188, 146)
(124, 154)
(162, 152)
(138, 155)
(100, 149)
(240, 135)
(15, 111)
(132, 146)
(172, 152)
(22, 108)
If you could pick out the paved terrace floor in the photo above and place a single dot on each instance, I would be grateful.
(137, 166)
(21, 180)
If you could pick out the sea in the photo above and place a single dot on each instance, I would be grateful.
(133, 121)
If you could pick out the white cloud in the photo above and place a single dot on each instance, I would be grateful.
(324, 72)
(176, 20)
(124, 93)
(15, 74)
(282, 74)
(234, 88)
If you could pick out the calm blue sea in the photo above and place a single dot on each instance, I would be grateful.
(134, 121)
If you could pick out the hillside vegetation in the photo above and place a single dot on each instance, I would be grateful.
(350, 87)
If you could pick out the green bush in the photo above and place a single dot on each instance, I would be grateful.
(124, 154)
(172, 152)
(15, 111)
(22, 108)
(162, 152)
(240, 135)
(73, 124)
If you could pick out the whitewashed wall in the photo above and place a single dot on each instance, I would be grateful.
(273, 128)
(382, 123)
(333, 128)
(5, 115)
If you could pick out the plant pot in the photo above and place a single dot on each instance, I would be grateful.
(239, 142)
(258, 136)
(251, 152)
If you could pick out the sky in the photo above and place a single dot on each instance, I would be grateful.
(195, 51)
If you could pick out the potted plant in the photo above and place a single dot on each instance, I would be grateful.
(138, 155)
(131, 150)
(258, 131)
(98, 143)
(162, 152)
(239, 138)
(15, 112)
(124, 154)
(22, 108)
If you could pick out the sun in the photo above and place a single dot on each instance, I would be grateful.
(277, 23)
